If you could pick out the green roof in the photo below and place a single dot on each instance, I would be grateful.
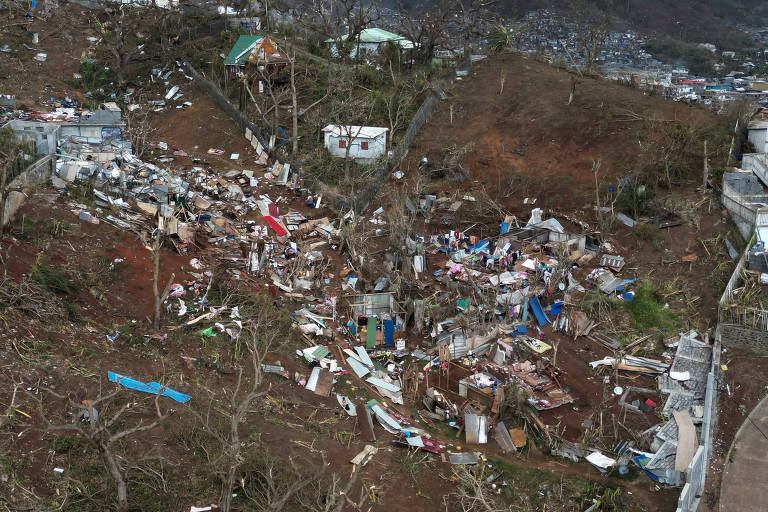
(377, 35)
(238, 54)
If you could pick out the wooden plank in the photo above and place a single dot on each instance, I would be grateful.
(686, 440)
(324, 383)
(365, 424)
(502, 437)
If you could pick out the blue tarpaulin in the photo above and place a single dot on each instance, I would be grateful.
(555, 308)
(641, 461)
(541, 317)
(148, 387)
(504, 228)
(479, 247)
(389, 332)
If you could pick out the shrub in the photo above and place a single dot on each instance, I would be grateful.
(647, 310)
(54, 279)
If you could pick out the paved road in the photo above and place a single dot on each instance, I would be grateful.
(744, 487)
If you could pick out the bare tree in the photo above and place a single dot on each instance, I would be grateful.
(277, 92)
(12, 162)
(341, 20)
(127, 31)
(105, 424)
(400, 217)
(118, 31)
(471, 16)
(425, 27)
(400, 100)
(350, 111)
(592, 23)
(266, 331)
(138, 126)
(160, 298)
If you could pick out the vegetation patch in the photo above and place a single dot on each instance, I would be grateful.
(648, 310)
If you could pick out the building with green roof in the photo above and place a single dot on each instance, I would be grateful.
(371, 39)
(242, 50)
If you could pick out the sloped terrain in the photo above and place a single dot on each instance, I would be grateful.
(527, 138)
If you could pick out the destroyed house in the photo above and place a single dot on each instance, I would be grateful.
(257, 58)
(378, 316)
(43, 135)
(98, 127)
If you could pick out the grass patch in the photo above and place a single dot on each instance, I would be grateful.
(413, 462)
(54, 279)
(647, 309)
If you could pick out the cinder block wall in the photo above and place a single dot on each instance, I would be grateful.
(744, 338)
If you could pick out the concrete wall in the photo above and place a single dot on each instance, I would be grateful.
(44, 135)
(759, 138)
(36, 174)
(230, 109)
(388, 166)
(744, 338)
(91, 132)
(742, 208)
(376, 147)
(696, 473)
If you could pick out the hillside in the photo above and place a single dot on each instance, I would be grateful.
(712, 21)
(528, 140)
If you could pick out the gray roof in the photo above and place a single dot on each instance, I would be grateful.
(664, 458)
(100, 118)
(744, 183)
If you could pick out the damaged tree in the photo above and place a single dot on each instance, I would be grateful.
(266, 331)
(160, 298)
(12, 163)
(105, 424)
(592, 23)
(471, 16)
(425, 27)
(400, 100)
(341, 20)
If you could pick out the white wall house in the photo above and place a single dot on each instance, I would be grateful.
(366, 143)
(758, 135)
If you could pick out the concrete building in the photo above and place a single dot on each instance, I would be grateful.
(43, 135)
(366, 143)
(758, 135)
(371, 40)
(96, 128)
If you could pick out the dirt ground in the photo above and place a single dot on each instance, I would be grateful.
(528, 142)
(550, 152)
(743, 383)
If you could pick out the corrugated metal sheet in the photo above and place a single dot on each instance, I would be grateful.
(359, 368)
(383, 384)
(476, 428)
(363, 356)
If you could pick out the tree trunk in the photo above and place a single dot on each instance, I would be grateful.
(226, 495)
(706, 171)
(117, 476)
(294, 109)
(347, 162)
(155, 277)
(3, 196)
